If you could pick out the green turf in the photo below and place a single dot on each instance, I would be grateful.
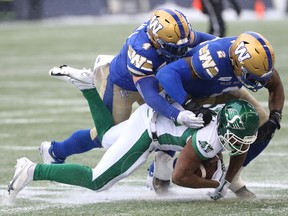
(35, 107)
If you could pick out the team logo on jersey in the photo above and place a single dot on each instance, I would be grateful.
(235, 122)
(207, 61)
(155, 25)
(205, 146)
(241, 52)
(124, 93)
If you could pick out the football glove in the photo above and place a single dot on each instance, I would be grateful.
(189, 119)
(198, 110)
(220, 191)
(267, 130)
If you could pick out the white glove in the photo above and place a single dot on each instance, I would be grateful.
(220, 191)
(189, 119)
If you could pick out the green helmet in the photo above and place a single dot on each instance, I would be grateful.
(238, 123)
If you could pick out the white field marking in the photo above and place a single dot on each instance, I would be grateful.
(32, 121)
(74, 195)
(19, 148)
(43, 101)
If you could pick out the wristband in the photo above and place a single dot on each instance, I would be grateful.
(276, 116)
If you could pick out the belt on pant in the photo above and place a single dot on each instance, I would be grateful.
(153, 126)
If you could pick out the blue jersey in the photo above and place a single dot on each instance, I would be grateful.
(139, 58)
(212, 66)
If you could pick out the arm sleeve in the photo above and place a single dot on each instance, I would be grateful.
(149, 89)
(170, 78)
(201, 37)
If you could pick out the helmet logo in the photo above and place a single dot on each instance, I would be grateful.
(235, 122)
(155, 25)
(241, 52)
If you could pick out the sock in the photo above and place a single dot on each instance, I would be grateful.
(237, 181)
(79, 142)
(102, 117)
(254, 150)
(72, 174)
(31, 170)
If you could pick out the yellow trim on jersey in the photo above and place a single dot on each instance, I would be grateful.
(135, 72)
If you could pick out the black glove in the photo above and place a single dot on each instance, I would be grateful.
(198, 110)
(267, 130)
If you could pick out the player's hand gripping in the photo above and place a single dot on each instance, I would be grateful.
(198, 110)
(220, 191)
(189, 119)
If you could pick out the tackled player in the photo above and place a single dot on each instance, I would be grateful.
(234, 129)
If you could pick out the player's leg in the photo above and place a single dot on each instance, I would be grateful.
(57, 151)
(84, 140)
(81, 140)
(211, 10)
(220, 27)
(122, 159)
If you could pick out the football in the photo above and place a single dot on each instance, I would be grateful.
(208, 168)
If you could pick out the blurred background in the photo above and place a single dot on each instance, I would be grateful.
(43, 9)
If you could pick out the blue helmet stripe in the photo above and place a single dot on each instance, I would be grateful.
(268, 53)
(178, 21)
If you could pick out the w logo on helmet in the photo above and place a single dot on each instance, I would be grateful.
(155, 25)
(234, 120)
(242, 52)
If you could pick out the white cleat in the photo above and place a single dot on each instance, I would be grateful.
(47, 155)
(81, 79)
(21, 177)
(83, 75)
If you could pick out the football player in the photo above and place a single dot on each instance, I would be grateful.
(220, 70)
(234, 129)
(130, 77)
